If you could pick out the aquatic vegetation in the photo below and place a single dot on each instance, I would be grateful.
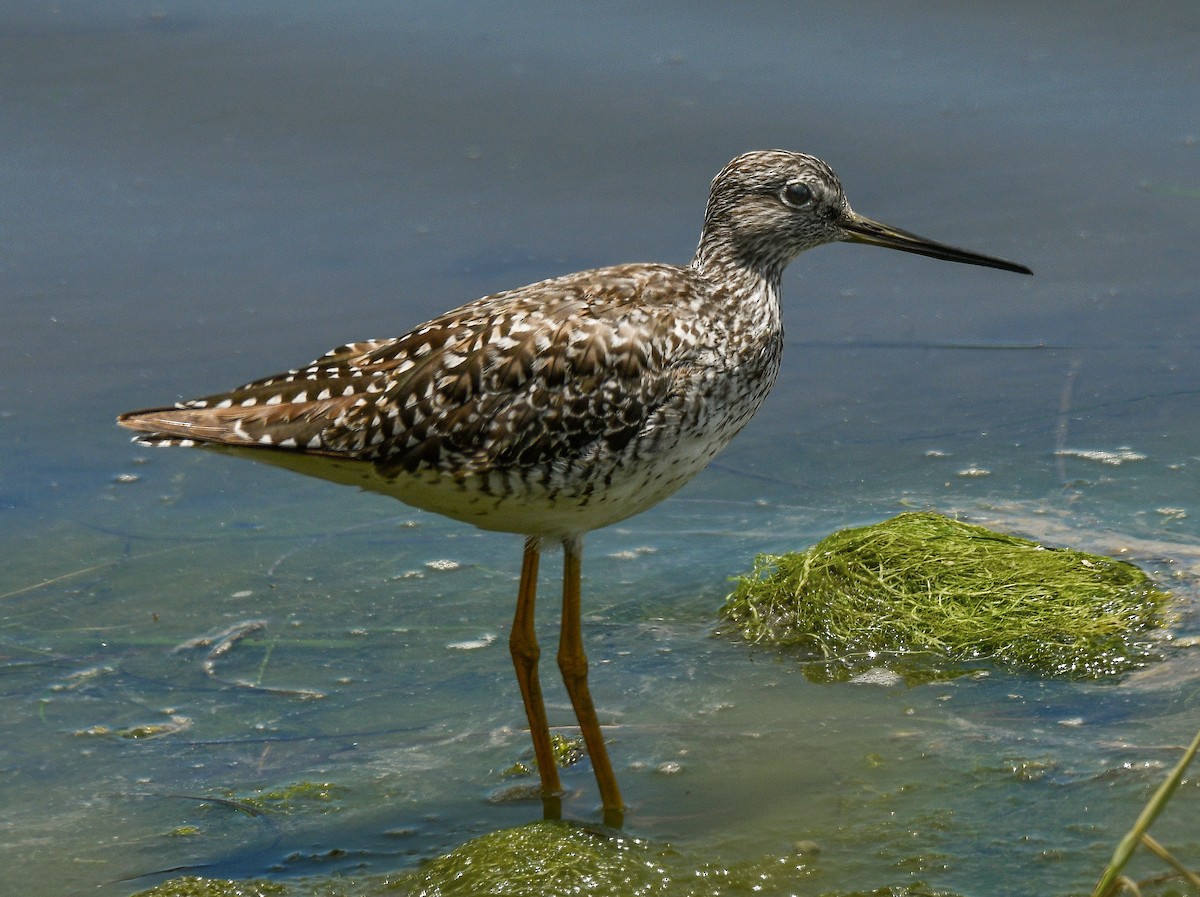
(1112, 880)
(566, 751)
(290, 797)
(194, 886)
(922, 589)
(542, 858)
(545, 858)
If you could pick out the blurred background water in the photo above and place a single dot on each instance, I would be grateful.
(199, 194)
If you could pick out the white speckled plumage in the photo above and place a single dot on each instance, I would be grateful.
(565, 405)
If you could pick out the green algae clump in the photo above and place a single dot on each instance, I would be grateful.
(924, 586)
(548, 858)
(194, 886)
(543, 858)
(566, 751)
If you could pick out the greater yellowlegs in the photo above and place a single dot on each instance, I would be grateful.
(560, 407)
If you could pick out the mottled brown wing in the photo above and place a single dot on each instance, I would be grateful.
(553, 371)
(288, 410)
(556, 372)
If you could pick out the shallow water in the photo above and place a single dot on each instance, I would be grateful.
(195, 196)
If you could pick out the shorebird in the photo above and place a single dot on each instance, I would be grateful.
(560, 407)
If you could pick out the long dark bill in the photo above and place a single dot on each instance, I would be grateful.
(864, 230)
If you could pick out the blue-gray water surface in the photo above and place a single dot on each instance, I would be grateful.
(195, 195)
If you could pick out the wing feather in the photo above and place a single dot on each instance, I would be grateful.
(552, 373)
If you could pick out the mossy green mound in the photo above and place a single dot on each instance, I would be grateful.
(194, 886)
(543, 858)
(549, 859)
(923, 584)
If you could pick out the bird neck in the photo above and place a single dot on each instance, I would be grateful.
(749, 291)
(737, 264)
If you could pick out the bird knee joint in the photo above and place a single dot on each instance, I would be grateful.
(524, 651)
(573, 667)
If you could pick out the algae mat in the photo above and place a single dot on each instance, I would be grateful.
(922, 584)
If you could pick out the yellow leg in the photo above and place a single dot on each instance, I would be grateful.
(573, 664)
(522, 644)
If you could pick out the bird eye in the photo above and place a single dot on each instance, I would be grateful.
(796, 195)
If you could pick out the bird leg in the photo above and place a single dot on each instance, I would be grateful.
(573, 664)
(522, 644)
